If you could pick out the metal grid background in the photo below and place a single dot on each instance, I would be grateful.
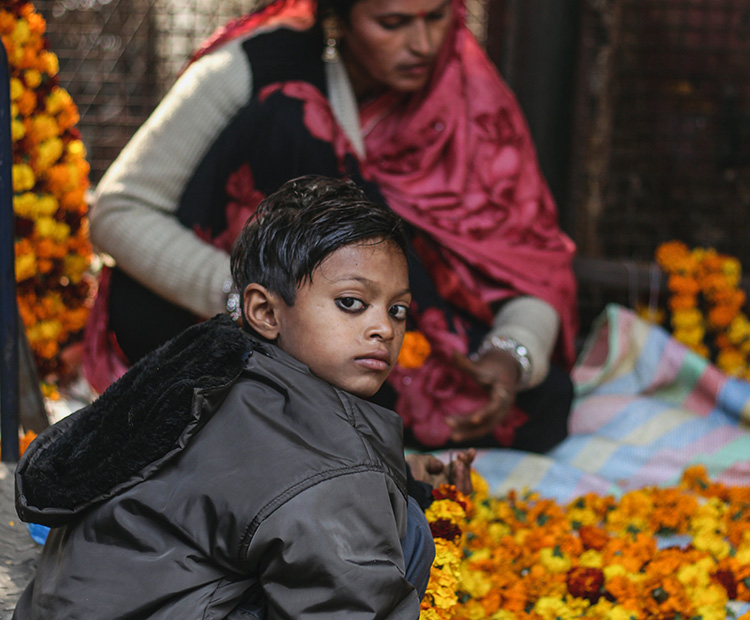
(663, 126)
(119, 57)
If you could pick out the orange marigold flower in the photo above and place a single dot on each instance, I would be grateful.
(593, 537)
(682, 302)
(414, 350)
(672, 255)
(683, 285)
(720, 317)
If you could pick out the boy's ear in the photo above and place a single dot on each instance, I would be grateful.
(261, 310)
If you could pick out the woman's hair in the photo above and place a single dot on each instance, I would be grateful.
(297, 227)
(340, 8)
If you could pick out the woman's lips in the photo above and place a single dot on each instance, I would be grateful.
(417, 69)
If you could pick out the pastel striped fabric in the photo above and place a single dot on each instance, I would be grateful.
(646, 407)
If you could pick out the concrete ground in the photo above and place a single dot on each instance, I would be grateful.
(18, 552)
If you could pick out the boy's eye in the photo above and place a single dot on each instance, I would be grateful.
(436, 16)
(350, 304)
(399, 311)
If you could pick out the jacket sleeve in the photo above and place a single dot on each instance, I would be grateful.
(333, 552)
(134, 213)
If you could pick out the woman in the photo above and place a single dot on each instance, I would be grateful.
(397, 95)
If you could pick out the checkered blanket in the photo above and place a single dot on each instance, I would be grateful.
(646, 407)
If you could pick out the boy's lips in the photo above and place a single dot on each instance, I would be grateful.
(375, 360)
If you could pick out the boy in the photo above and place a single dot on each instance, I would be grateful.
(242, 475)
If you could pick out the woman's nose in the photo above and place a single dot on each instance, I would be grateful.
(421, 37)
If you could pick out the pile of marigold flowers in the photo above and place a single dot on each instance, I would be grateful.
(50, 178)
(675, 553)
(706, 305)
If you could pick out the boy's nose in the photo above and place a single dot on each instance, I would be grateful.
(381, 326)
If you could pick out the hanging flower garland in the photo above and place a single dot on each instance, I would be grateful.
(706, 305)
(666, 553)
(50, 178)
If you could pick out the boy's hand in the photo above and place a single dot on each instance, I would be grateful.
(430, 469)
(498, 373)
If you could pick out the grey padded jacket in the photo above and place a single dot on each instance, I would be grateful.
(219, 479)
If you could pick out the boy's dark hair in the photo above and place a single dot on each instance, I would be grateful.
(297, 227)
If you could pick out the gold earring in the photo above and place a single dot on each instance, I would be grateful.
(332, 35)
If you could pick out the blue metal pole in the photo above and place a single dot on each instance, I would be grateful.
(9, 399)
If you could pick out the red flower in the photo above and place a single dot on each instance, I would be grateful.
(443, 528)
(726, 578)
(585, 583)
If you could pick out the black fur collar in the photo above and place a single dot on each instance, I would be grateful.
(134, 423)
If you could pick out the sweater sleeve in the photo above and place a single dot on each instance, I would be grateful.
(134, 214)
(535, 324)
(333, 552)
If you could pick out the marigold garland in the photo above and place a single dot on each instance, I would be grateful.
(50, 178)
(414, 350)
(706, 305)
(527, 558)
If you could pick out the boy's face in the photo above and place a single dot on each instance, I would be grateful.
(348, 323)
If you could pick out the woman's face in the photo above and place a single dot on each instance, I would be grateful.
(393, 44)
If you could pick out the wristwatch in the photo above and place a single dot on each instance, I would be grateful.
(516, 350)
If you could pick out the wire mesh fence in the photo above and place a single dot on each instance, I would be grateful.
(119, 57)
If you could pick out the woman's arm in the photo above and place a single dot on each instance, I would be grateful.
(134, 215)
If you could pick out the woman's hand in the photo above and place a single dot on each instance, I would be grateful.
(498, 373)
(430, 469)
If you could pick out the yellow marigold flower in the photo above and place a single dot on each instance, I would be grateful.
(16, 89)
(497, 531)
(475, 583)
(32, 77)
(49, 63)
(44, 127)
(554, 560)
(24, 205)
(712, 543)
(58, 99)
(688, 318)
(739, 329)
(23, 178)
(452, 511)
(17, 130)
(45, 226)
(48, 153)
(74, 266)
(550, 608)
(75, 149)
(21, 33)
(503, 614)
(691, 336)
(731, 361)
(61, 232)
(696, 575)
(591, 559)
(49, 330)
(25, 267)
(706, 612)
(481, 488)
(710, 595)
(47, 204)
